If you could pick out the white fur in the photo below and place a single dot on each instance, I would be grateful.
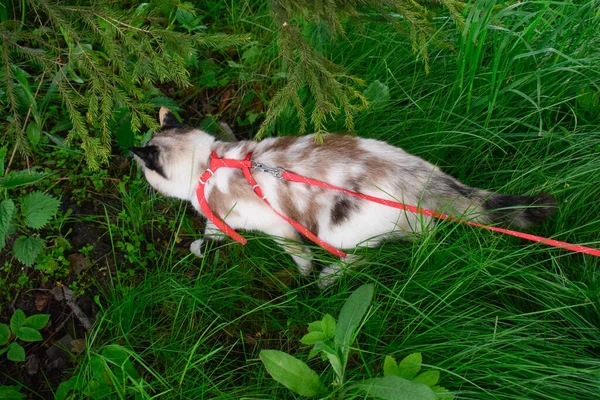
(374, 167)
(186, 158)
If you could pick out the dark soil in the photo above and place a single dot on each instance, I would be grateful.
(68, 295)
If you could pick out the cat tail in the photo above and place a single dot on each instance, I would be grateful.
(507, 209)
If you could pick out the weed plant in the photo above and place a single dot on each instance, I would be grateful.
(514, 109)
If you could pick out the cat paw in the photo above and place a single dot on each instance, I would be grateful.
(196, 248)
(305, 266)
(329, 275)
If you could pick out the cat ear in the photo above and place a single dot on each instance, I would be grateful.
(149, 156)
(167, 119)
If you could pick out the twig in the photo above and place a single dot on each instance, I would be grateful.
(12, 305)
(80, 315)
(61, 293)
(57, 329)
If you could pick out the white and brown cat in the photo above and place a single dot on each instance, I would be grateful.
(175, 157)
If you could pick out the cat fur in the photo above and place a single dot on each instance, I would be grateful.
(175, 157)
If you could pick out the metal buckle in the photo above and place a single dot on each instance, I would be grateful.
(275, 171)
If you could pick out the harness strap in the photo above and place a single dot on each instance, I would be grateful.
(214, 164)
(245, 165)
(299, 227)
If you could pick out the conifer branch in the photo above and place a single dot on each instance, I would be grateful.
(102, 60)
(334, 91)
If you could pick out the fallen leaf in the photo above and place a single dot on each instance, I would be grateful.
(78, 346)
(249, 339)
(57, 356)
(33, 364)
(61, 293)
(78, 263)
(41, 301)
(224, 100)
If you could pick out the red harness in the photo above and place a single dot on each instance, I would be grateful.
(246, 165)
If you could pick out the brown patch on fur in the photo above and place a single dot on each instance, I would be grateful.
(289, 209)
(222, 148)
(345, 146)
(342, 207)
(377, 169)
(220, 204)
(280, 160)
(247, 148)
(239, 190)
(335, 150)
(281, 144)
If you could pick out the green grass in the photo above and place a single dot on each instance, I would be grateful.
(501, 318)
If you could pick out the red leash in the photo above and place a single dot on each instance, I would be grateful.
(246, 165)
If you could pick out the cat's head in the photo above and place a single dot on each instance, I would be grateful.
(173, 159)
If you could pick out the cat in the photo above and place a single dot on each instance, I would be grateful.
(175, 157)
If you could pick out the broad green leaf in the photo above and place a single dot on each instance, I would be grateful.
(98, 367)
(163, 101)
(351, 315)
(336, 364)
(325, 347)
(122, 129)
(409, 367)
(28, 334)
(429, 378)
(394, 388)
(7, 210)
(292, 373)
(187, 18)
(38, 209)
(20, 178)
(390, 367)
(11, 393)
(98, 389)
(442, 393)
(120, 356)
(4, 334)
(37, 321)
(315, 327)
(313, 337)
(321, 346)
(377, 94)
(55, 80)
(2, 157)
(16, 352)
(34, 133)
(64, 388)
(74, 77)
(26, 249)
(3, 18)
(3, 350)
(17, 320)
(22, 77)
(313, 353)
(328, 324)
